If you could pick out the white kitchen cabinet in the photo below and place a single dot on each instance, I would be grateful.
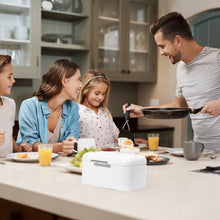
(66, 34)
(20, 36)
(123, 47)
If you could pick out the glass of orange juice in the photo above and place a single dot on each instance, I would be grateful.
(153, 141)
(45, 154)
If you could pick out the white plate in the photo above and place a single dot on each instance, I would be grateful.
(32, 157)
(70, 167)
(179, 152)
(117, 147)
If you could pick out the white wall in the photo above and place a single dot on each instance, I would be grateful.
(165, 87)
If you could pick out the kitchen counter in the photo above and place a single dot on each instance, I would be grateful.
(173, 192)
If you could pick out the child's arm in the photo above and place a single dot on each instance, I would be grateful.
(2, 137)
(23, 146)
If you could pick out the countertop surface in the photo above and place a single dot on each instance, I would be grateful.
(173, 191)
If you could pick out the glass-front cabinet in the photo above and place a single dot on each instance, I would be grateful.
(19, 36)
(123, 47)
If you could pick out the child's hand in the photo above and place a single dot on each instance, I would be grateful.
(2, 137)
(68, 145)
(26, 147)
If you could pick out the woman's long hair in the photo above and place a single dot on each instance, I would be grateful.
(51, 84)
(89, 81)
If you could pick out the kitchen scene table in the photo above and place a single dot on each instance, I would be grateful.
(173, 191)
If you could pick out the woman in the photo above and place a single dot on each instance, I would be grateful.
(52, 116)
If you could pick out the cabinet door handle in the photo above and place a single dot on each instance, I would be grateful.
(123, 71)
(128, 71)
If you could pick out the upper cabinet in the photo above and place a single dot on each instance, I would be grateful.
(19, 36)
(123, 47)
(65, 32)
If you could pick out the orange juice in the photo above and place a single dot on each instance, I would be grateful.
(153, 143)
(45, 155)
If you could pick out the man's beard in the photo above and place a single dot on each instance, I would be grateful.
(175, 59)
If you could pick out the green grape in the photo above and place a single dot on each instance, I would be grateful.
(77, 163)
(91, 149)
(73, 161)
(78, 157)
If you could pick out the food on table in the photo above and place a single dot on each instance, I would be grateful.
(77, 160)
(125, 142)
(108, 149)
(21, 155)
(151, 156)
(130, 149)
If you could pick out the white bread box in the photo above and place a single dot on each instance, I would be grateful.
(114, 170)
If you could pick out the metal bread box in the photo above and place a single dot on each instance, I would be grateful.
(114, 170)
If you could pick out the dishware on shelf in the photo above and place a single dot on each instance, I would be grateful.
(47, 5)
(20, 32)
(61, 5)
(5, 33)
(56, 38)
(77, 6)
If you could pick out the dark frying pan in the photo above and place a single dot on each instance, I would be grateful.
(169, 113)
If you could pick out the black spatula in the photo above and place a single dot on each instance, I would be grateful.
(126, 133)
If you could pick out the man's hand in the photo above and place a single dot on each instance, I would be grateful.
(2, 137)
(212, 107)
(135, 110)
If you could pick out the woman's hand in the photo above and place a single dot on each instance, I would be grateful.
(68, 145)
(135, 110)
(2, 137)
(25, 147)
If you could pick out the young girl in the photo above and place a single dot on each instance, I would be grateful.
(95, 119)
(52, 116)
(7, 110)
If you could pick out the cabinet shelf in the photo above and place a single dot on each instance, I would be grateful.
(14, 41)
(16, 9)
(62, 16)
(139, 23)
(64, 47)
(138, 51)
(108, 48)
(108, 19)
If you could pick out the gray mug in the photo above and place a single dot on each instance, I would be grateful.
(192, 150)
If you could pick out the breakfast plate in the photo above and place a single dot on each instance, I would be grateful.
(164, 161)
(31, 157)
(179, 152)
(70, 167)
(118, 147)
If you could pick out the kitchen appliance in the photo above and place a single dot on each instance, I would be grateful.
(169, 113)
(114, 170)
(126, 133)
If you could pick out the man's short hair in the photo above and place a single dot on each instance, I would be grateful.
(170, 25)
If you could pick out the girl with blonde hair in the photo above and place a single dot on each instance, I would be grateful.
(95, 118)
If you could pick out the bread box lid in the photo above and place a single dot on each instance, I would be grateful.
(114, 158)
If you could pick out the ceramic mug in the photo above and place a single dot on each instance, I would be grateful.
(85, 143)
(192, 150)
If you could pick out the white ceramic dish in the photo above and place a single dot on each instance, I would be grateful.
(179, 152)
(32, 157)
(70, 167)
(117, 147)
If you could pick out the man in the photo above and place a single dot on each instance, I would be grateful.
(198, 76)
